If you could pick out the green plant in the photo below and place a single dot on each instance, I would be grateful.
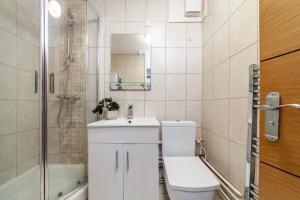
(106, 103)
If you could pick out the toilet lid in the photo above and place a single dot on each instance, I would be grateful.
(189, 174)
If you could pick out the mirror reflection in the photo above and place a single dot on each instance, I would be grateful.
(130, 62)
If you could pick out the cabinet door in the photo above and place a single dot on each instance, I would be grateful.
(105, 172)
(141, 172)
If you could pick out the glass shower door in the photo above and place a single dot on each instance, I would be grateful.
(20, 91)
(66, 132)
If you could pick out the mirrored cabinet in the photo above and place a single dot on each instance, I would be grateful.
(130, 62)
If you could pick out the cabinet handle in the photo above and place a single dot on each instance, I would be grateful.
(127, 160)
(117, 160)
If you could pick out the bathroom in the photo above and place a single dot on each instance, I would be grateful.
(149, 99)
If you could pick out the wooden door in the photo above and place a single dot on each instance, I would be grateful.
(105, 171)
(280, 72)
(141, 172)
(279, 27)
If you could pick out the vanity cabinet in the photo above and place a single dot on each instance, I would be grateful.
(123, 162)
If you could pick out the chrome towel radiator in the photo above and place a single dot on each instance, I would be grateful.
(251, 187)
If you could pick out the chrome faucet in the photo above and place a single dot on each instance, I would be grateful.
(130, 111)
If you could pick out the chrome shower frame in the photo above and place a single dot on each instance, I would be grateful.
(43, 98)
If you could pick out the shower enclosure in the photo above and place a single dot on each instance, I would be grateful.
(45, 70)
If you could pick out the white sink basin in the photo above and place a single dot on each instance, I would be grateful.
(122, 122)
(137, 130)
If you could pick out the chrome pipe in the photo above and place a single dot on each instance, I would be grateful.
(227, 184)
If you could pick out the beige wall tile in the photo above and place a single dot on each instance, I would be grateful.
(207, 115)
(234, 5)
(27, 165)
(90, 116)
(155, 109)
(221, 44)
(158, 60)
(208, 56)
(176, 60)
(28, 55)
(239, 71)
(135, 95)
(193, 111)
(135, 27)
(156, 10)
(208, 144)
(92, 61)
(194, 35)
(194, 60)
(220, 13)
(221, 81)
(243, 27)
(220, 154)
(8, 146)
(28, 25)
(28, 115)
(207, 28)
(238, 120)
(176, 87)
(220, 112)
(8, 15)
(135, 10)
(158, 34)
(7, 175)
(176, 35)
(207, 87)
(31, 6)
(8, 117)
(8, 82)
(53, 106)
(237, 163)
(158, 87)
(8, 48)
(91, 88)
(53, 141)
(113, 28)
(27, 145)
(194, 87)
(115, 10)
(175, 110)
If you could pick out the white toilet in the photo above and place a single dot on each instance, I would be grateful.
(187, 177)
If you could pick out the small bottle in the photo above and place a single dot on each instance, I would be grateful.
(130, 111)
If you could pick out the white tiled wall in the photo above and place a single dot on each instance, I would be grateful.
(230, 38)
(19, 105)
(176, 59)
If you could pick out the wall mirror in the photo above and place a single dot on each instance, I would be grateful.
(130, 62)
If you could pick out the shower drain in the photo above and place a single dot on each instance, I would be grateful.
(59, 194)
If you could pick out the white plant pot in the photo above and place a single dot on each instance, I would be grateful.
(109, 115)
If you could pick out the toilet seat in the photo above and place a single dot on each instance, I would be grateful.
(189, 174)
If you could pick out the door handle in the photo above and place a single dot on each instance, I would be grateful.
(127, 160)
(272, 109)
(268, 107)
(117, 160)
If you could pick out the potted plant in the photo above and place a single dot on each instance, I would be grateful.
(108, 107)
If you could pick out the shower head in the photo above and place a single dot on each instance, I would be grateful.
(70, 17)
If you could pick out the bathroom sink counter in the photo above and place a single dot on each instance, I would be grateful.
(123, 122)
(122, 130)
